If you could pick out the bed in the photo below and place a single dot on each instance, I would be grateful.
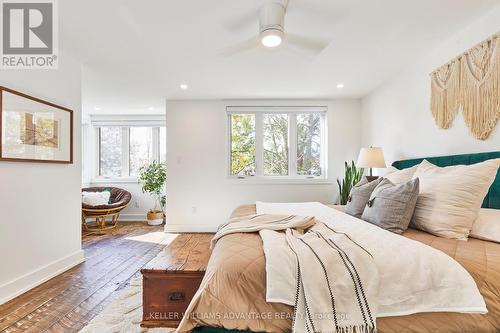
(240, 260)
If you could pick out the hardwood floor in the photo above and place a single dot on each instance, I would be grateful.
(69, 301)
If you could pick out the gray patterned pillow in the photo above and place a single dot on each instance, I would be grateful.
(359, 196)
(391, 206)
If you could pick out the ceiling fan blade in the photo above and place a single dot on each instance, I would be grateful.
(244, 46)
(300, 53)
(309, 44)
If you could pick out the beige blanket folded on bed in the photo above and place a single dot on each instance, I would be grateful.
(255, 223)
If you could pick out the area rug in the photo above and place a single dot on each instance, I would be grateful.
(124, 314)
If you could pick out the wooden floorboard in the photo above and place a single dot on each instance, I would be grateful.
(69, 301)
(37, 296)
(92, 270)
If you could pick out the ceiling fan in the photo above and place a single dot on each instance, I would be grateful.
(272, 32)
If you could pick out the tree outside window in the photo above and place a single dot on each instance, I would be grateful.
(283, 144)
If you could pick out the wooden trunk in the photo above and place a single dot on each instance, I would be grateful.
(172, 278)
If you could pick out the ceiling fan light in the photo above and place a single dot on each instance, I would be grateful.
(271, 38)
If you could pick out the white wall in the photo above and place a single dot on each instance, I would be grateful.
(40, 203)
(396, 116)
(200, 196)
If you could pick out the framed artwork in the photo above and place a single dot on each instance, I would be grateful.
(33, 130)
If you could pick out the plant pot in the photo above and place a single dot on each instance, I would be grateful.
(155, 217)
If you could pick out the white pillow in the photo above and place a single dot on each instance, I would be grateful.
(397, 176)
(450, 197)
(96, 198)
(487, 225)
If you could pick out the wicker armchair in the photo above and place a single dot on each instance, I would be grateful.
(104, 217)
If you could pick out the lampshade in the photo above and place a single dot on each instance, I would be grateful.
(372, 157)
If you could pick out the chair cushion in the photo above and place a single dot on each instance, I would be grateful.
(118, 198)
(96, 198)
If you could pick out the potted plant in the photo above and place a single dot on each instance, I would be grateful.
(352, 176)
(152, 176)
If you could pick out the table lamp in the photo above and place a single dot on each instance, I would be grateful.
(372, 157)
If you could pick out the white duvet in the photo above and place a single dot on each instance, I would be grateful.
(413, 277)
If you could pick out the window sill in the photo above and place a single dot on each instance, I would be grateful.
(124, 180)
(279, 181)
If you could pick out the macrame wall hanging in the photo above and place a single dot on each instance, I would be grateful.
(470, 83)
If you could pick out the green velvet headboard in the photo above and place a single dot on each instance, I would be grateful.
(492, 200)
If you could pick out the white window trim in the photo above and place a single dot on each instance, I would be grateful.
(125, 178)
(127, 120)
(275, 109)
(292, 177)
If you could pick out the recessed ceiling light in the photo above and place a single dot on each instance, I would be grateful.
(340, 85)
(272, 37)
(97, 108)
(184, 86)
(151, 108)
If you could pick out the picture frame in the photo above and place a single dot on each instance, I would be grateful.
(34, 130)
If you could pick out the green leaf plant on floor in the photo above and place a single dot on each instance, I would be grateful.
(152, 177)
(352, 176)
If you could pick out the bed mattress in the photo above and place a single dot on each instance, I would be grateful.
(239, 262)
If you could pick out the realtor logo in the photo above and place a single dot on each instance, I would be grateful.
(29, 34)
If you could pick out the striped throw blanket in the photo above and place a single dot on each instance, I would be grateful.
(331, 280)
(335, 285)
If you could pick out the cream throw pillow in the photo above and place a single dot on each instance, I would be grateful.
(96, 198)
(487, 225)
(397, 176)
(450, 197)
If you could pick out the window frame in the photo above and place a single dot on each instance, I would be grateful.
(291, 112)
(125, 152)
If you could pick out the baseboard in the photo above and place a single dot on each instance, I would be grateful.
(30, 280)
(185, 228)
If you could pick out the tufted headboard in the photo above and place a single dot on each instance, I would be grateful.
(492, 200)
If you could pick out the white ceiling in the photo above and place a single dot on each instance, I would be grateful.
(137, 53)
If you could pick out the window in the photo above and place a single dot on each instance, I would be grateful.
(275, 144)
(242, 144)
(287, 143)
(140, 148)
(309, 144)
(123, 150)
(110, 146)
